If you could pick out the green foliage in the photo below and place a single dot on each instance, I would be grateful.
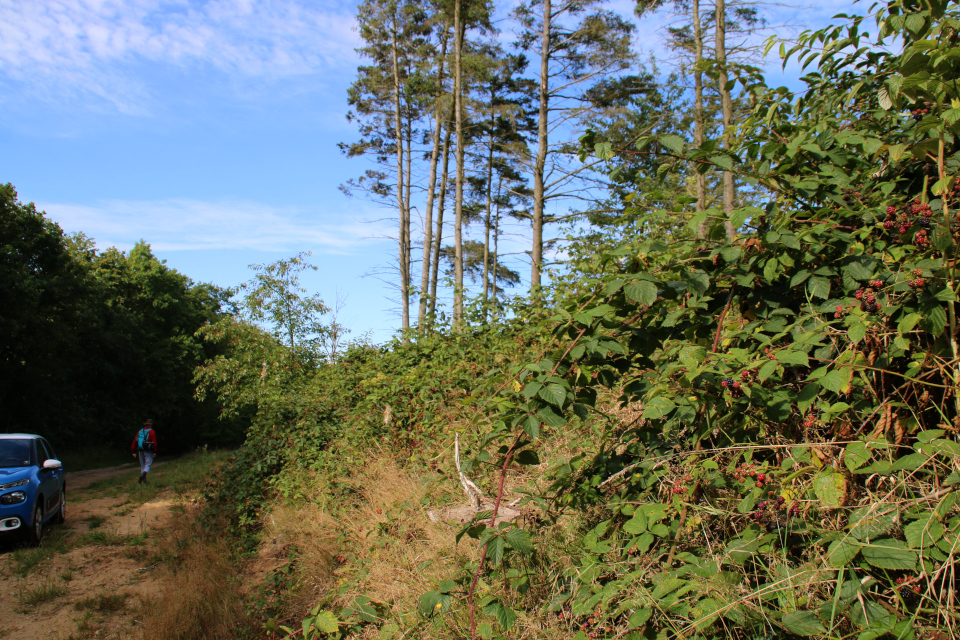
(92, 343)
(791, 469)
(275, 296)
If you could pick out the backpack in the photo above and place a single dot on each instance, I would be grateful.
(142, 443)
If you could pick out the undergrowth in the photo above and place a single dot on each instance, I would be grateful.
(705, 437)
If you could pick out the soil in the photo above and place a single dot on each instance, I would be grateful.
(100, 584)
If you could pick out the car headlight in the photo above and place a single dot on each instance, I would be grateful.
(14, 497)
(11, 485)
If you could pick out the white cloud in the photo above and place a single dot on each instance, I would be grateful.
(181, 224)
(94, 46)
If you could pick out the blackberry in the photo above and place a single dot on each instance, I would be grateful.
(924, 223)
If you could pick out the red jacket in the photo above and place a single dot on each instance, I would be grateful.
(151, 437)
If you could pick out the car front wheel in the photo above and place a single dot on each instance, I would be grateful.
(35, 535)
(62, 511)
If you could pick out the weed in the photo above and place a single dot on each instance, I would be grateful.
(103, 602)
(25, 559)
(94, 522)
(33, 597)
(113, 539)
(86, 628)
(137, 553)
(67, 575)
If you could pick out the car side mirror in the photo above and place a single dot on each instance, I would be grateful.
(52, 464)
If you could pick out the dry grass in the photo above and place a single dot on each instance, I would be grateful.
(382, 546)
(201, 597)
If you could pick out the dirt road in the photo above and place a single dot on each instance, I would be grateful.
(91, 575)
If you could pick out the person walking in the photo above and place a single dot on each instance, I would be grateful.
(144, 447)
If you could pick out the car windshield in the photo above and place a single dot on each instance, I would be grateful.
(14, 453)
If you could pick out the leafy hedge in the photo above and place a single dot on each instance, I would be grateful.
(793, 471)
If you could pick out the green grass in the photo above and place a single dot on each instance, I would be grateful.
(113, 602)
(42, 593)
(94, 522)
(26, 559)
(182, 475)
(112, 539)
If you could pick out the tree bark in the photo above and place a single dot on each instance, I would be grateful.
(536, 252)
(401, 183)
(431, 190)
(438, 236)
(726, 107)
(496, 249)
(486, 222)
(458, 202)
(698, 117)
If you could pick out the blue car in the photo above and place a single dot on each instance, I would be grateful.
(33, 488)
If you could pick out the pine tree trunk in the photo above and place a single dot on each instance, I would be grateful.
(726, 107)
(438, 236)
(486, 222)
(496, 249)
(698, 116)
(431, 190)
(458, 202)
(401, 204)
(408, 238)
(536, 252)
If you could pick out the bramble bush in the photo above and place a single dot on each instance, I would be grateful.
(793, 470)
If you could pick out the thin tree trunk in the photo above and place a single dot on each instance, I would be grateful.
(438, 237)
(486, 223)
(726, 107)
(458, 203)
(408, 239)
(401, 204)
(431, 190)
(496, 248)
(536, 251)
(698, 117)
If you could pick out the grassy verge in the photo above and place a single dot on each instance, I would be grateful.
(184, 475)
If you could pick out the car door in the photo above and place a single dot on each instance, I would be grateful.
(49, 480)
(59, 474)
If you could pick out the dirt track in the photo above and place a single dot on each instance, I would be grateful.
(97, 563)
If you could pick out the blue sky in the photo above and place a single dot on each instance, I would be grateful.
(209, 129)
